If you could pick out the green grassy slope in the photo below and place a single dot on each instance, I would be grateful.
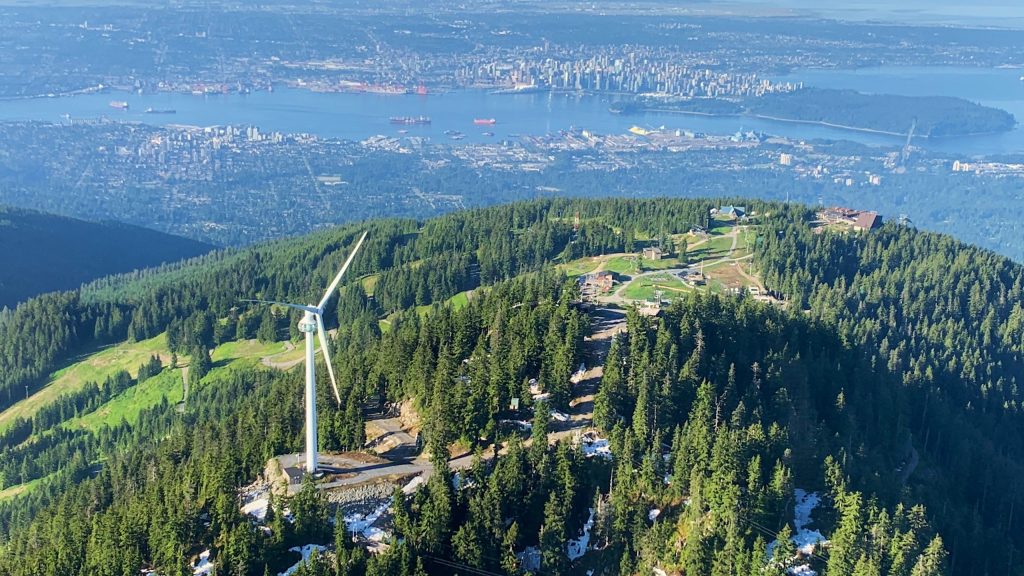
(95, 367)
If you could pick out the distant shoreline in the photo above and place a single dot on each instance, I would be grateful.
(821, 123)
(775, 119)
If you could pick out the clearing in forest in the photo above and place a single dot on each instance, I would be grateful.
(96, 367)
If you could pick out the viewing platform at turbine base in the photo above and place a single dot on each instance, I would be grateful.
(346, 470)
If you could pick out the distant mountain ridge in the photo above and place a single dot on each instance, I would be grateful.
(45, 252)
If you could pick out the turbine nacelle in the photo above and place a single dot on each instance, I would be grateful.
(308, 322)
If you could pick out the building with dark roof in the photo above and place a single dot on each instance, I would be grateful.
(867, 221)
(652, 253)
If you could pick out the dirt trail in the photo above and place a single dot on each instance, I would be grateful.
(180, 407)
(752, 279)
(606, 323)
(269, 362)
(390, 436)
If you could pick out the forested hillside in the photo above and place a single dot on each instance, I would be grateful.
(882, 394)
(931, 116)
(45, 252)
(934, 116)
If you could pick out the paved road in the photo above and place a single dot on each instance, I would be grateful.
(350, 471)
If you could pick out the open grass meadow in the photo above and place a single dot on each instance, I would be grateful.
(580, 266)
(95, 367)
(130, 403)
(645, 287)
(20, 489)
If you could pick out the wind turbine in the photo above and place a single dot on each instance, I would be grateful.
(313, 322)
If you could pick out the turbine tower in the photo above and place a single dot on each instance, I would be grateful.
(313, 323)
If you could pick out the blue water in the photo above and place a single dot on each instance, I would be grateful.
(359, 116)
(348, 116)
(988, 13)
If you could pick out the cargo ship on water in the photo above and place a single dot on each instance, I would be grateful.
(485, 121)
(410, 120)
(119, 104)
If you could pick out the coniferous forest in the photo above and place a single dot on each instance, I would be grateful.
(887, 384)
(44, 252)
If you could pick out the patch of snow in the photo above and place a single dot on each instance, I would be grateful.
(358, 523)
(805, 504)
(578, 376)
(806, 540)
(521, 424)
(560, 416)
(578, 547)
(653, 514)
(457, 481)
(203, 565)
(595, 446)
(257, 509)
(413, 485)
(529, 559)
(255, 500)
(306, 552)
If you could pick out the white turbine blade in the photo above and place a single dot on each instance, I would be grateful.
(296, 306)
(322, 334)
(337, 279)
